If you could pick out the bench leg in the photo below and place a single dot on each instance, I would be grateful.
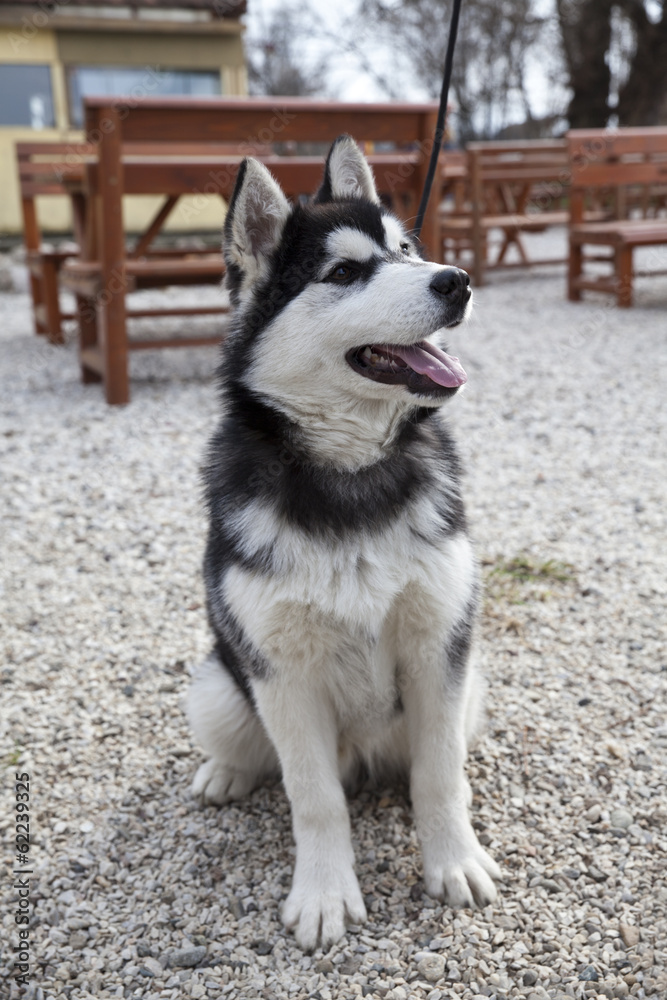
(113, 334)
(507, 241)
(38, 308)
(51, 302)
(32, 239)
(574, 272)
(479, 252)
(623, 267)
(89, 352)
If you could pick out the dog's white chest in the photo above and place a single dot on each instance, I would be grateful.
(353, 579)
(325, 594)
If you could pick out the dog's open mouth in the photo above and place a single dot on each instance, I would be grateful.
(422, 368)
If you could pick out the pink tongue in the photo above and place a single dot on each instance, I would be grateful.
(431, 361)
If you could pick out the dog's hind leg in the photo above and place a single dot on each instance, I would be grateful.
(228, 728)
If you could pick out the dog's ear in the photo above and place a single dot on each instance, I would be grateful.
(255, 219)
(346, 174)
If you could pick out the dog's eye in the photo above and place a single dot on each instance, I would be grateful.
(405, 247)
(342, 274)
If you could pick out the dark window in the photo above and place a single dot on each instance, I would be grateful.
(25, 95)
(124, 81)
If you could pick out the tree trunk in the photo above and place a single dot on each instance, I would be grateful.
(644, 95)
(586, 33)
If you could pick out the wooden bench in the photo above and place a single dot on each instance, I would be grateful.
(513, 187)
(42, 169)
(628, 164)
(48, 168)
(106, 273)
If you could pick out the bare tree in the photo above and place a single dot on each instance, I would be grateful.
(616, 56)
(276, 62)
(585, 27)
(609, 54)
(488, 78)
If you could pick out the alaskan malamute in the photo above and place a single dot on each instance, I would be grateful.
(342, 588)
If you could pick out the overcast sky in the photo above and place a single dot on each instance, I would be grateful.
(348, 82)
(346, 79)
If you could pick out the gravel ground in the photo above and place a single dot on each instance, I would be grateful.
(136, 890)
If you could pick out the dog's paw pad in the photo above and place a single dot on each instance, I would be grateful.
(320, 917)
(215, 783)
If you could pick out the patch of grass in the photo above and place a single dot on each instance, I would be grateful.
(523, 578)
(12, 758)
(525, 569)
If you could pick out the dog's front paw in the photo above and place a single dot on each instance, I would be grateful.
(216, 783)
(459, 871)
(319, 905)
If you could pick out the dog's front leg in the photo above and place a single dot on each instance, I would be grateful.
(456, 868)
(325, 890)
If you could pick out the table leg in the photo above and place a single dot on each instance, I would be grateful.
(111, 300)
(574, 272)
(89, 354)
(51, 300)
(623, 268)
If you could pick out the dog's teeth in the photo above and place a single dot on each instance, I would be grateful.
(366, 353)
(374, 359)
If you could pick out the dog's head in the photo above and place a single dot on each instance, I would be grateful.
(336, 305)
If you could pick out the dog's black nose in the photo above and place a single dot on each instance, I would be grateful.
(452, 283)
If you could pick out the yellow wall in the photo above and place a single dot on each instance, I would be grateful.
(18, 45)
(198, 51)
(120, 48)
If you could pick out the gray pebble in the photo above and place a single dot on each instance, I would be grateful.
(430, 965)
(549, 884)
(262, 947)
(621, 818)
(186, 958)
(152, 965)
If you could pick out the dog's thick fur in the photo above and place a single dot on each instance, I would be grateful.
(341, 584)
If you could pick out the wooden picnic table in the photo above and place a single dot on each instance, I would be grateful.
(47, 168)
(513, 188)
(631, 163)
(107, 271)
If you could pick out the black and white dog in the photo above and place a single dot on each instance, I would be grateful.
(342, 588)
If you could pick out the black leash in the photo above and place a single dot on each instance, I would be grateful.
(440, 124)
